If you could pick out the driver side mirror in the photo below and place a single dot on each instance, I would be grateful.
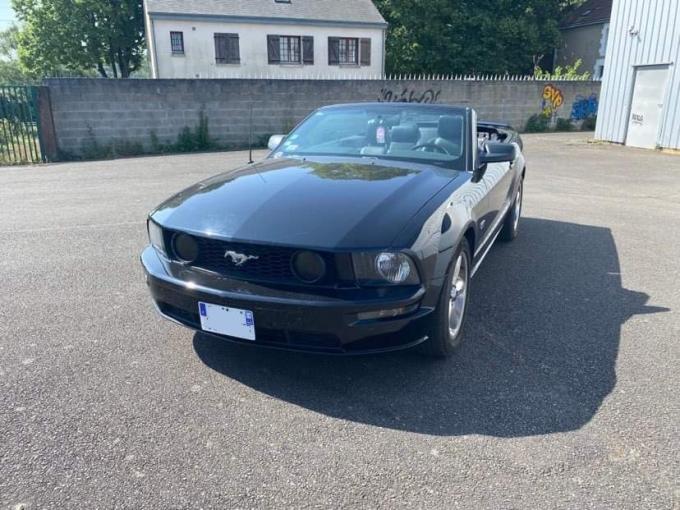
(275, 141)
(493, 152)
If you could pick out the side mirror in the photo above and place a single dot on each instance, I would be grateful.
(496, 152)
(493, 152)
(275, 141)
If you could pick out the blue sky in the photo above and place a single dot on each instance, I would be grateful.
(6, 14)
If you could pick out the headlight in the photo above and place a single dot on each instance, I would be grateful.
(156, 236)
(385, 267)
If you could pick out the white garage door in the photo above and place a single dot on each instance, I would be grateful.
(646, 107)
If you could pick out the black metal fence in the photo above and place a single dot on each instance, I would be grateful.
(19, 125)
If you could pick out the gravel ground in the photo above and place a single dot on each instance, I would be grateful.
(565, 395)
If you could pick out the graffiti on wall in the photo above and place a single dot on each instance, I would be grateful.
(584, 107)
(552, 99)
(408, 96)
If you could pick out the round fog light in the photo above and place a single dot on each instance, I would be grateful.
(185, 247)
(308, 266)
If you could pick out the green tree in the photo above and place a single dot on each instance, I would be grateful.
(11, 72)
(80, 35)
(469, 36)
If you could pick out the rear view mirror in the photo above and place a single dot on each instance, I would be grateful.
(496, 152)
(275, 141)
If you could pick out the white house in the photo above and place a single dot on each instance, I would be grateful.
(275, 38)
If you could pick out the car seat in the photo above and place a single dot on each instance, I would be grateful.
(403, 137)
(450, 134)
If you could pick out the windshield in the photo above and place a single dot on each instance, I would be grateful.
(410, 133)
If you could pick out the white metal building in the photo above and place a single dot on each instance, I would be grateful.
(264, 38)
(640, 97)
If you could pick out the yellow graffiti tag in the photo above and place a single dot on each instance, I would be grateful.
(553, 96)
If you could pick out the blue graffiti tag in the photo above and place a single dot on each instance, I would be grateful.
(584, 107)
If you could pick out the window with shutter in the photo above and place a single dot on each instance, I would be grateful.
(343, 51)
(365, 52)
(227, 49)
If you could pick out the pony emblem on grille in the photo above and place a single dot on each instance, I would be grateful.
(239, 258)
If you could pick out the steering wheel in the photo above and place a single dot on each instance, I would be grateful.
(430, 145)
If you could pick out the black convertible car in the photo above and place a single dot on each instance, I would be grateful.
(360, 232)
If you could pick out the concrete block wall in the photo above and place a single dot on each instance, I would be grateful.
(120, 111)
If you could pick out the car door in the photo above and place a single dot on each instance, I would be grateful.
(499, 183)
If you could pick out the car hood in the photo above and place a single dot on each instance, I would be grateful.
(319, 203)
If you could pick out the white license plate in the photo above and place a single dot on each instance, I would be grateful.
(227, 321)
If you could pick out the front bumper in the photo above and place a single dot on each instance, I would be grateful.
(292, 320)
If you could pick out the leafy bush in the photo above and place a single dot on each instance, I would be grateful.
(157, 147)
(126, 148)
(188, 140)
(185, 140)
(537, 123)
(569, 72)
(262, 140)
(564, 125)
(90, 148)
(202, 135)
(198, 139)
(589, 124)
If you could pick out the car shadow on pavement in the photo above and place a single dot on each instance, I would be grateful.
(539, 355)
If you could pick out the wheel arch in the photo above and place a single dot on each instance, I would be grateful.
(471, 237)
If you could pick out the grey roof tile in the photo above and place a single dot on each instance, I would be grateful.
(588, 13)
(356, 11)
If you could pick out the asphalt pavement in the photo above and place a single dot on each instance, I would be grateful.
(566, 393)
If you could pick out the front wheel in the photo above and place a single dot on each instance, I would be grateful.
(511, 222)
(448, 320)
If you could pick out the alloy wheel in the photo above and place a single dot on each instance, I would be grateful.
(458, 297)
(518, 207)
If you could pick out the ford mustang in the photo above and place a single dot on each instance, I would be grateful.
(360, 232)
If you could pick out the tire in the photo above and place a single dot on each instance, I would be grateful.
(443, 339)
(511, 221)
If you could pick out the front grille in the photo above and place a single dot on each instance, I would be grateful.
(267, 263)
(271, 263)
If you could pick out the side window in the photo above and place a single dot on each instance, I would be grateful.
(290, 49)
(348, 51)
(227, 49)
(177, 43)
(345, 51)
